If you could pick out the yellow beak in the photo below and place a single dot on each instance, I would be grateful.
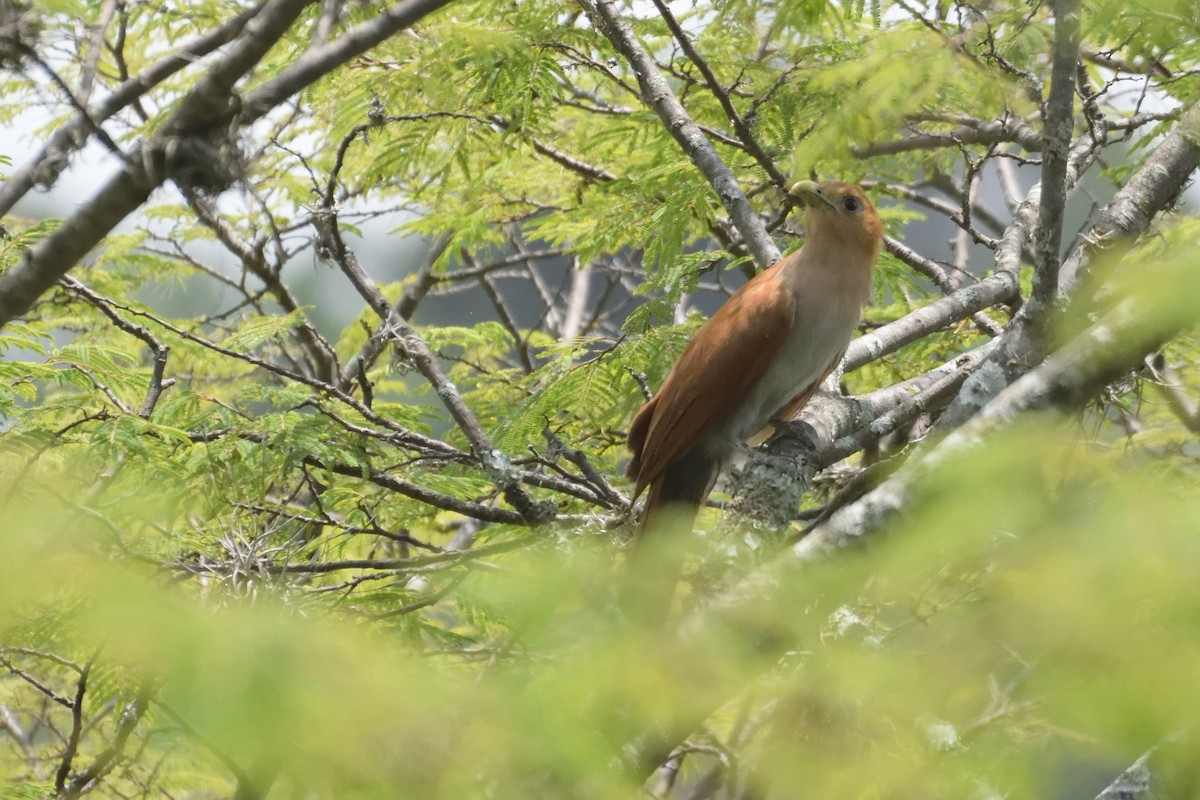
(810, 193)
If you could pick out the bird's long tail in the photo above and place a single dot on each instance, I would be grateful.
(656, 559)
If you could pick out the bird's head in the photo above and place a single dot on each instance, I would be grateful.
(840, 212)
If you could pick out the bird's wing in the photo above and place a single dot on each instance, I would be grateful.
(725, 359)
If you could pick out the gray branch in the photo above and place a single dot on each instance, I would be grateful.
(833, 427)
(1103, 352)
(207, 108)
(497, 464)
(1151, 189)
(1135, 783)
(55, 255)
(1022, 346)
(657, 93)
(377, 342)
(1058, 122)
(45, 166)
(1009, 129)
(996, 289)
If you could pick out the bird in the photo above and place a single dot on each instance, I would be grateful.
(759, 358)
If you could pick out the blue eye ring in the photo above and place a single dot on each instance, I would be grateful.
(850, 203)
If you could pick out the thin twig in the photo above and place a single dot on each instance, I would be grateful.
(657, 93)
(68, 756)
(745, 135)
(158, 350)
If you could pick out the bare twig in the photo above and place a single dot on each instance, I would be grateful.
(253, 259)
(107, 759)
(68, 757)
(520, 341)
(158, 350)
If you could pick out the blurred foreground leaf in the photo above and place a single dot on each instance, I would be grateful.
(1035, 621)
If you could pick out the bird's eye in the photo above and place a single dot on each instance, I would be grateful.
(850, 203)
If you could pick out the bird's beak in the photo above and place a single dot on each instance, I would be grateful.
(810, 194)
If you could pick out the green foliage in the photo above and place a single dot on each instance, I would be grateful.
(287, 575)
(601, 387)
(943, 660)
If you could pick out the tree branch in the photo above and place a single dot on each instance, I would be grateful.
(209, 100)
(319, 61)
(322, 357)
(831, 428)
(68, 756)
(495, 461)
(204, 110)
(1009, 129)
(417, 492)
(1058, 121)
(657, 93)
(745, 135)
(158, 350)
(1149, 191)
(1135, 783)
(45, 166)
(106, 759)
(1023, 346)
(998, 288)
(378, 340)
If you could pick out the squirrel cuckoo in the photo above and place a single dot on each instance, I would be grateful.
(760, 357)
